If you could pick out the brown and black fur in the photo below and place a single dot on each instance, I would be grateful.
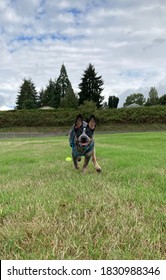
(82, 143)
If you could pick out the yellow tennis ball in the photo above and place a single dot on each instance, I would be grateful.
(68, 159)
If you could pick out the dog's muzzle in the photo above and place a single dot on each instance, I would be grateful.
(83, 139)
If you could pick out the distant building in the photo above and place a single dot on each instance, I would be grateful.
(134, 105)
(47, 108)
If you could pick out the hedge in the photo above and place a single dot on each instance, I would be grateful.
(64, 117)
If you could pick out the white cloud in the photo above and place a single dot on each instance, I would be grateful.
(5, 108)
(124, 40)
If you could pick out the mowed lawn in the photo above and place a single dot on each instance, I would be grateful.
(49, 210)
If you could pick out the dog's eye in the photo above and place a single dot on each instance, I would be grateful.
(78, 132)
(89, 132)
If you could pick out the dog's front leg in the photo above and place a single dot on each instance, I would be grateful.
(75, 161)
(86, 161)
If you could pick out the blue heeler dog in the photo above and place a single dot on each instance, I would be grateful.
(82, 142)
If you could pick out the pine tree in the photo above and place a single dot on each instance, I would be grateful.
(63, 83)
(70, 100)
(56, 97)
(47, 94)
(91, 87)
(27, 97)
(113, 102)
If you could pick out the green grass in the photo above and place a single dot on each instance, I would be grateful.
(49, 210)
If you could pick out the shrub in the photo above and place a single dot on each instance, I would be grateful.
(66, 117)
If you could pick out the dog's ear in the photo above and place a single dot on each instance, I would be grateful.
(79, 121)
(92, 122)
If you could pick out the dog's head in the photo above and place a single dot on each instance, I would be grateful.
(84, 135)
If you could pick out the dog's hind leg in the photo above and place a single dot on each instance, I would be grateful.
(94, 160)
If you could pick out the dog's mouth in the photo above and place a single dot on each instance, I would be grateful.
(84, 144)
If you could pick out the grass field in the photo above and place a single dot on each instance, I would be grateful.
(48, 210)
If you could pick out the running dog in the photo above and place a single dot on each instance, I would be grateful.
(82, 142)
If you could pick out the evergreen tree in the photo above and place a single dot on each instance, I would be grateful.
(91, 87)
(47, 94)
(153, 97)
(63, 83)
(113, 102)
(70, 100)
(27, 97)
(56, 97)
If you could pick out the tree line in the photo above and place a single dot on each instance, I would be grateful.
(60, 94)
(139, 99)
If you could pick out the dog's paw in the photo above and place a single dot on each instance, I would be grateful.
(98, 169)
(77, 167)
(84, 170)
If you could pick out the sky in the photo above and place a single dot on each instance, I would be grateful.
(125, 40)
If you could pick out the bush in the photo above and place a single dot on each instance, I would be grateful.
(66, 117)
(87, 109)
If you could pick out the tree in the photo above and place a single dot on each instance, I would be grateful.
(135, 98)
(27, 97)
(70, 100)
(153, 97)
(162, 100)
(58, 93)
(113, 102)
(63, 83)
(56, 97)
(91, 87)
(46, 95)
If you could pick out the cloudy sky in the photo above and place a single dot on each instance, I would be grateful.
(125, 40)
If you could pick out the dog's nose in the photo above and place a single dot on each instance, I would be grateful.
(84, 139)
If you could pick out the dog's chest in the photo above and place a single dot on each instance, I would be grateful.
(82, 151)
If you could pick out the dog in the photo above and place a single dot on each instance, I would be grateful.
(82, 142)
